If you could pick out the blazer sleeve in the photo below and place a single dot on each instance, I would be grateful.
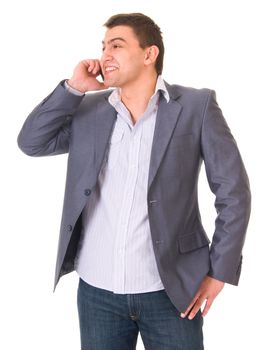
(46, 130)
(229, 182)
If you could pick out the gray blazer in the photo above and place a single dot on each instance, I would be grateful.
(189, 129)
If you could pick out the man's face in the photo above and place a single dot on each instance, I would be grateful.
(123, 59)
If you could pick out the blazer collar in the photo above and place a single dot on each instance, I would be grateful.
(166, 121)
(172, 90)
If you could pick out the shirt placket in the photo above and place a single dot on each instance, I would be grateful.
(125, 213)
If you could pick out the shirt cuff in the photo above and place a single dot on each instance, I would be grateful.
(72, 90)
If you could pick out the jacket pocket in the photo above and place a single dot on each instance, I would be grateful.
(192, 241)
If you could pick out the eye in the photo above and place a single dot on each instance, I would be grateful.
(115, 46)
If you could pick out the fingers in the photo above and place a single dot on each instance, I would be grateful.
(208, 291)
(197, 306)
(194, 307)
(93, 66)
(207, 307)
(85, 75)
(184, 314)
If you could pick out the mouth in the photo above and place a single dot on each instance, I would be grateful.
(110, 69)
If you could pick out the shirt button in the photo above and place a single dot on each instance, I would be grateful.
(153, 202)
(87, 192)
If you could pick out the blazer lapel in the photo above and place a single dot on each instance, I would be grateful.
(166, 120)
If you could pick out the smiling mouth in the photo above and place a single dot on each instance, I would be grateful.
(110, 69)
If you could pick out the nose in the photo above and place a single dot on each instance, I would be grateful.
(106, 55)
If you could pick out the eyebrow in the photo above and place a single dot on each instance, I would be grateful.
(111, 40)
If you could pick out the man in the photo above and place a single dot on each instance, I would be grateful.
(131, 226)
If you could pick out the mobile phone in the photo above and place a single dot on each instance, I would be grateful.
(101, 74)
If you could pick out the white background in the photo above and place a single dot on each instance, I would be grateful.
(214, 44)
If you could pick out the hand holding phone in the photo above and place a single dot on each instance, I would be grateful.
(85, 76)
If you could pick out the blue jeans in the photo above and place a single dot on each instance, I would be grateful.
(110, 321)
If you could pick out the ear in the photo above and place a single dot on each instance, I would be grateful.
(151, 54)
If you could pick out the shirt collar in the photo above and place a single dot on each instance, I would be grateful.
(115, 96)
(160, 86)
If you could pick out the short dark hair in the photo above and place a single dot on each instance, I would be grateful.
(147, 32)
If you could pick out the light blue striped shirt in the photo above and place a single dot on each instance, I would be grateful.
(115, 251)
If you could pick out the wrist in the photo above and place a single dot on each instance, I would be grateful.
(76, 85)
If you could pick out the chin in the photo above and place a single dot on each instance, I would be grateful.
(108, 83)
(111, 83)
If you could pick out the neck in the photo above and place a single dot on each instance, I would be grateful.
(136, 96)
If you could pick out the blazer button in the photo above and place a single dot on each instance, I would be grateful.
(70, 228)
(153, 202)
(87, 192)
